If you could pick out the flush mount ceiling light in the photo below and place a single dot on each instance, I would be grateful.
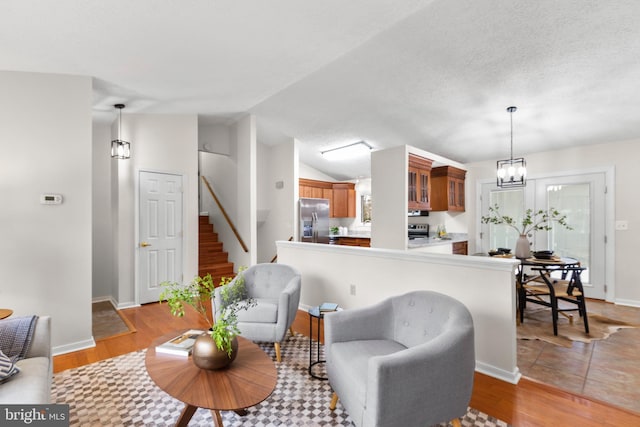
(120, 149)
(356, 149)
(511, 172)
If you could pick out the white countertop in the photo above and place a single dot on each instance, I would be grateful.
(433, 241)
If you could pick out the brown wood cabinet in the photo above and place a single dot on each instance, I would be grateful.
(341, 195)
(354, 241)
(419, 189)
(447, 189)
(460, 248)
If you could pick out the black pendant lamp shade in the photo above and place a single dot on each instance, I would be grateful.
(511, 172)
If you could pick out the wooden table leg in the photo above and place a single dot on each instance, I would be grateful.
(217, 419)
(186, 415)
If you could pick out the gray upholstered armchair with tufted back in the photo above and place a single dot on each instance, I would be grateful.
(406, 361)
(276, 290)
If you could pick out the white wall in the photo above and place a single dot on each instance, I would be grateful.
(623, 156)
(45, 251)
(159, 143)
(276, 164)
(102, 222)
(246, 153)
(389, 198)
(485, 285)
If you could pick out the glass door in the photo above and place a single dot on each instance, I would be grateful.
(581, 199)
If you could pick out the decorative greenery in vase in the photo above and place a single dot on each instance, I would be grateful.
(199, 292)
(532, 221)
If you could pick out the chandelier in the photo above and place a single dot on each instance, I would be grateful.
(511, 172)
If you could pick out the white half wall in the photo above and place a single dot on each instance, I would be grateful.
(485, 285)
(45, 250)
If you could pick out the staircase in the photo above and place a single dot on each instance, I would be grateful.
(211, 258)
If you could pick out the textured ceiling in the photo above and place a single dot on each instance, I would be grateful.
(436, 74)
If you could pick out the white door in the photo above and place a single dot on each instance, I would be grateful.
(582, 199)
(160, 233)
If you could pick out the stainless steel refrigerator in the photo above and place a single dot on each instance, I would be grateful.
(314, 220)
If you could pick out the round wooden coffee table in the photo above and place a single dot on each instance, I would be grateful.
(249, 380)
(5, 312)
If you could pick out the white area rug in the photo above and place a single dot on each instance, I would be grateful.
(118, 392)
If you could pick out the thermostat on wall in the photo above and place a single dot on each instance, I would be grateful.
(50, 199)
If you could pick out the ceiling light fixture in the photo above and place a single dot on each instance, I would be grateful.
(348, 151)
(120, 149)
(511, 172)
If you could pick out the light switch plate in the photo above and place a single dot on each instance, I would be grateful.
(622, 225)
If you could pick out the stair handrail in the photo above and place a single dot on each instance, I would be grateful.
(275, 257)
(224, 213)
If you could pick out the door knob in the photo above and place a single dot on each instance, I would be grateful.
(144, 244)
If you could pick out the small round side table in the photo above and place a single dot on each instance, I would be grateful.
(315, 312)
(5, 312)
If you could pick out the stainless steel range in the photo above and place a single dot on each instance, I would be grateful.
(418, 231)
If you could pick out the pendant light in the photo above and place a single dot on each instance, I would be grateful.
(120, 149)
(511, 172)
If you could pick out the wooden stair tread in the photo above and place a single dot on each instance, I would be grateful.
(211, 257)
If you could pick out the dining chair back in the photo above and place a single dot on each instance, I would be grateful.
(551, 291)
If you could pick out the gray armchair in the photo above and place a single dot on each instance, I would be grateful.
(406, 361)
(276, 290)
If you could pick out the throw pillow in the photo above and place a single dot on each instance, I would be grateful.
(7, 368)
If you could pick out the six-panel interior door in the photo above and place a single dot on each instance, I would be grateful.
(160, 233)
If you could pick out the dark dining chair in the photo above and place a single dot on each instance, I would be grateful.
(568, 288)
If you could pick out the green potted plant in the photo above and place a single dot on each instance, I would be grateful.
(197, 295)
(532, 221)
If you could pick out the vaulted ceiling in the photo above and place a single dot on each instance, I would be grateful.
(435, 74)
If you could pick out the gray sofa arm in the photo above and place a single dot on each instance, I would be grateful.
(41, 342)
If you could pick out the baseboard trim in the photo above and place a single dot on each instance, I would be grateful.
(500, 374)
(69, 348)
(627, 302)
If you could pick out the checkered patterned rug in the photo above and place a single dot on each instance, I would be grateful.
(118, 392)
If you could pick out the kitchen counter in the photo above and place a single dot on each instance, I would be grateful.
(352, 235)
(450, 238)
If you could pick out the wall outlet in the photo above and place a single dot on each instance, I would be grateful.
(622, 225)
(352, 289)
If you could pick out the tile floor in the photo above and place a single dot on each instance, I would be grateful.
(607, 370)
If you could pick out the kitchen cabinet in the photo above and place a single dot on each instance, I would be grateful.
(344, 200)
(419, 188)
(364, 242)
(447, 189)
(314, 189)
(460, 248)
(341, 195)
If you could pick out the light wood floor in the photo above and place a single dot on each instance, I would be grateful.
(528, 403)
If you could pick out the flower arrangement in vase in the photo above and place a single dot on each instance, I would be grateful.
(532, 221)
(198, 293)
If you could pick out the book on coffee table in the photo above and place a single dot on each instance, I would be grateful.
(328, 306)
(180, 345)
